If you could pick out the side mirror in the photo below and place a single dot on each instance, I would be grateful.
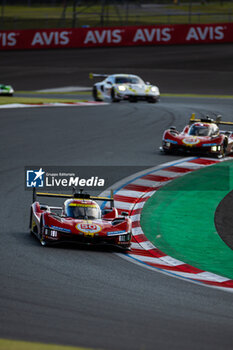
(44, 207)
(148, 83)
(124, 213)
(106, 211)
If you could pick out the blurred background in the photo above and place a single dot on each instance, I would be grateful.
(35, 14)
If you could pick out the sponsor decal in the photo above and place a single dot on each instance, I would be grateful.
(150, 35)
(171, 141)
(48, 38)
(88, 228)
(8, 39)
(116, 233)
(206, 33)
(103, 36)
(190, 141)
(60, 228)
(116, 36)
(35, 178)
(209, 144)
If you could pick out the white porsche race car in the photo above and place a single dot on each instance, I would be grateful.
(117, 87)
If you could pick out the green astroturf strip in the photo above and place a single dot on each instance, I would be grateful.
(55, 92)
(88, 93)
(6, 344)
(179, 219)
(196, 95)
(9, 100)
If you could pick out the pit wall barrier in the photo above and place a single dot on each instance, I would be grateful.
(116, 36)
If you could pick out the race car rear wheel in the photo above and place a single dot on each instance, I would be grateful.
(95, 94)
(113, 96)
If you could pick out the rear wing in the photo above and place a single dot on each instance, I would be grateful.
(79, 195)
(207, 119)
(94, 75)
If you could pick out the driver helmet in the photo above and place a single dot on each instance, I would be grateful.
(81, 209)
(200, 129)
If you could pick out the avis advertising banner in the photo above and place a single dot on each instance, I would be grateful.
(116, 36)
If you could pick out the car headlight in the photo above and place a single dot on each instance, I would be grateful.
(154, 89)
(51, 233)
(121, 88)
(215, 148)
(124, 238)
(166, 144)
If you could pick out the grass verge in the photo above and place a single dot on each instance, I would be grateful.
(15, 17)
(6, 344)
(35, 100)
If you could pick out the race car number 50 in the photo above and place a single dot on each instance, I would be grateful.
(88, 228)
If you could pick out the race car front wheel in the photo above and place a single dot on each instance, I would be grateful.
(133, 99)
(223, 149)
(152, 100)
(42, 230)
(113, 96)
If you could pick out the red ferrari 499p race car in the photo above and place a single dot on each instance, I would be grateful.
(80, 220)
(201, 136)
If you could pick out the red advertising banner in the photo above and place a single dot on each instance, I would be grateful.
(116, 36)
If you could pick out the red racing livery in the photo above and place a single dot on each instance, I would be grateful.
(201, 136)
(80, 220)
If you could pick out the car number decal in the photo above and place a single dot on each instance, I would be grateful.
(190, 141)
(88, 228)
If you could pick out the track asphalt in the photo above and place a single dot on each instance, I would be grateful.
(179, 219)
(223, 219)
(205, 69)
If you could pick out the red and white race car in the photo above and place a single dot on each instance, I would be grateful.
(80, 220)
(201, 136)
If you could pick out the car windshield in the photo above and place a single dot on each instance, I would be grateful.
(83, 211)
(128, 80)
(198, 130)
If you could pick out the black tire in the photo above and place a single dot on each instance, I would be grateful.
(222, 153)
(225, 145)
(113, 96)
(133, 99)
(166, 151)
(42, 241)
(152, 100)
(95, 95)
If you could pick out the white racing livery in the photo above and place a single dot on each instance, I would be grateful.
(117, 87)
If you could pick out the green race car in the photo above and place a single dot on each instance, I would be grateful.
(6, 90)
